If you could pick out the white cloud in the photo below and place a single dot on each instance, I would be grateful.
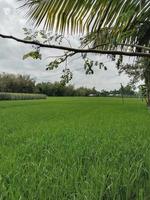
(11, 52)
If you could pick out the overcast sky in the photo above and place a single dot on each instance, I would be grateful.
(12, 20)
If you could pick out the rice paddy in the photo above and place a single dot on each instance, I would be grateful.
(74, 148)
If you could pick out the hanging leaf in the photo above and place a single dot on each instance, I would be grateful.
(33, 55)
(66, 77)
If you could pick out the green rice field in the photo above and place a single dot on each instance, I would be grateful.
(74, 148)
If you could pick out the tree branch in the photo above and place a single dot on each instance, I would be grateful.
(77, 50)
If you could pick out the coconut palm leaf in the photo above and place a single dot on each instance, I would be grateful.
(102, 20)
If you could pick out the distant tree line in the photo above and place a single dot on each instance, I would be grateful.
(16, 83)
(25, 84)
(59, 89)
(124, 90)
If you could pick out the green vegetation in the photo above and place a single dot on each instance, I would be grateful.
(74, 148)
(19, 83)
(20, 96)
(16, 83)
(25, 84)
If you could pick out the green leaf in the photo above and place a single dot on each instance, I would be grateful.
(33, 55)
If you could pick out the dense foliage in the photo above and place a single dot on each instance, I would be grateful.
(16, 83)
(58, 89)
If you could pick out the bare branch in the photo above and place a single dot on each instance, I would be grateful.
(77, 50)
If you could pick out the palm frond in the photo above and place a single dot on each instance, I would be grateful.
(123, 19)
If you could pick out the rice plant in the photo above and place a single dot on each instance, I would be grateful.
(74, 149)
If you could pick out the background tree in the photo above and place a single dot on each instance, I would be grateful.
(25, 84)
(16, 83)
(140, 70)
(59, 89)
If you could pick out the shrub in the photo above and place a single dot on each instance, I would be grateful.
(20, 96)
